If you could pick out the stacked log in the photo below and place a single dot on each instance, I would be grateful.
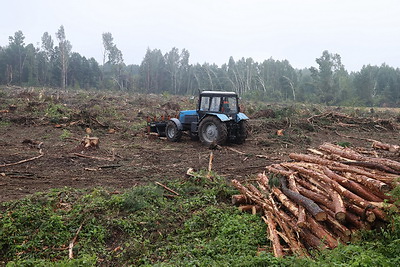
(320, 200)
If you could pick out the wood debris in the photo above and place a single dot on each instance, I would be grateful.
(41, 154)
(93, 157)
(90, 142)
(167, 188)
(318, 201)
(72, 243)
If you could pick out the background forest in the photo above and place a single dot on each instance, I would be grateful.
(54, 64)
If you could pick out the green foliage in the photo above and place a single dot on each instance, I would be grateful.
(40, 226)
(65, 134)
(170, 73)
(344, 144)
(144, 227)
(56, 112)
(139, 126)
(83, 261)
(4, 123)
(395, 193)
(141, 198)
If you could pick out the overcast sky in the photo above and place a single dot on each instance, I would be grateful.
(361, 31)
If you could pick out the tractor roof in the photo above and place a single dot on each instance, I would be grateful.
(220, 93)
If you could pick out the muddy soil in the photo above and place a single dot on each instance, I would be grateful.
(127, 156)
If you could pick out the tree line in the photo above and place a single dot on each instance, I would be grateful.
(54, 64)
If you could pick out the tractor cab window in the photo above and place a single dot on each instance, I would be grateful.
(229, 105)
(215, 104)
(205, 103)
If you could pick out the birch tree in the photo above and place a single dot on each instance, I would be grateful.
(64, 48)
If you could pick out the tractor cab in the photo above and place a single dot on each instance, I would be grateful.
(218, 102)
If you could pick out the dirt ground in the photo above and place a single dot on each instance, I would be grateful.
(127, 156)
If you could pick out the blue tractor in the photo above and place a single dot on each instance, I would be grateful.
(216, 120)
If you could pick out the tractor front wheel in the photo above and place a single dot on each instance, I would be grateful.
(172, 132)
(212, 131)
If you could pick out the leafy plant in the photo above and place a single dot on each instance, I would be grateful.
(146, 226)
(4, 123)
(344, 144)
(56, 112)
(65, 134)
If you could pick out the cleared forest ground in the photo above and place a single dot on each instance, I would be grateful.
(56, 122)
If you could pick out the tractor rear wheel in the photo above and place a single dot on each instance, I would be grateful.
(172, 132)
(242, 132)
(212, 131)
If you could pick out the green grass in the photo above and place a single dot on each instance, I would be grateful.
(56, 112)
(4, 124)
(65, 134)
(144, 227)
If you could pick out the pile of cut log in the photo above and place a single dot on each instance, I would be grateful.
(320, 199)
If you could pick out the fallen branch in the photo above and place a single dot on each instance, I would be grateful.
(167, 188)
(273, 236)
(210, 162)
(41, 154)
(109, 166)
(93, 157)
(237, 151)
(190, 172)
(72, 243)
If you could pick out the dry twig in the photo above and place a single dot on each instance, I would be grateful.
(93, 157)
(167, 188)
(72, 243)
(41, 154)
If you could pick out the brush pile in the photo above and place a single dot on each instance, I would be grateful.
(318, 201)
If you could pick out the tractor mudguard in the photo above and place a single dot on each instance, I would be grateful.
(241, 116)
(178, 123)
(220, 116)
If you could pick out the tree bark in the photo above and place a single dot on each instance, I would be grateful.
(340, 189)
(371, 165)
(350, 154)
(389, 147)
(313, 188)
(312, 240)
(240, 200)
(368, 182)
(320, 232)
(340, 209)
(301, 220)
(316, 197)
(335, 223)
(273, 236)
(354, 187)
(307, 203)
(364, 213)
(334, 165)
(314, 226)
(284, 222)
(353, 197)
